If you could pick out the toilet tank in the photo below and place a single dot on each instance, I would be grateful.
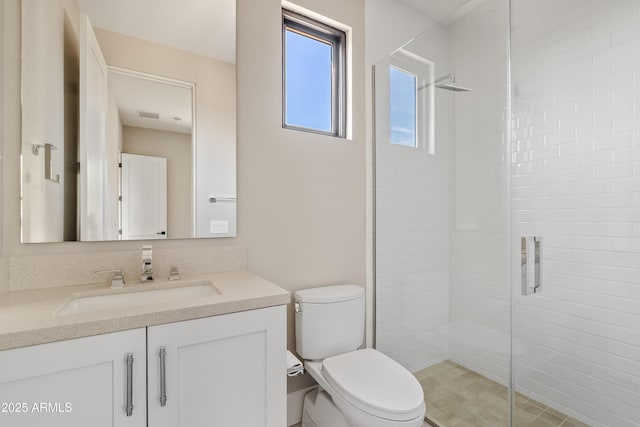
(329, 320)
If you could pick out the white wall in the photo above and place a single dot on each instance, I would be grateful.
(576, 182)
(43, 116)
(480, 298)
(4, 267)
(176, 148)
(303, 194)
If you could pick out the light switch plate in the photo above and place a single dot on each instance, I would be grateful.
(218, 227)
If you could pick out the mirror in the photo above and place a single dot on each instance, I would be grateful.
(128, 120)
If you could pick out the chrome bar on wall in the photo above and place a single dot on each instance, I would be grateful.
(217, 199)
(527, 242)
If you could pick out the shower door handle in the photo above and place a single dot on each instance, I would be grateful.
(525, 243)
(537, 267)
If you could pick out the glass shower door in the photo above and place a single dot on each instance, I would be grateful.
(442, 241)
(575, 190)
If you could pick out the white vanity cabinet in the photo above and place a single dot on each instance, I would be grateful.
(80, 382)
(221, 371)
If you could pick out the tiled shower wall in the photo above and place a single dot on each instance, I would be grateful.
(479, 301)
(412, 232)
(576, 183)
(574, 180)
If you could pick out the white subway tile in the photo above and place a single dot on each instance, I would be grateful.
(594, 215)
(618, 170)
(619, 140)
(622, 244)
(573, 175)
(626, 124)
(546, 128)
(626, 185)
(613, 229)
(613, 200)
(594, 187)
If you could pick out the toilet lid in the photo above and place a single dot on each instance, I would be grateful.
(375, 383)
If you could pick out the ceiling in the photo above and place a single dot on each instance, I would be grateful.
(205, 27)
(445, 11)
(135, 94)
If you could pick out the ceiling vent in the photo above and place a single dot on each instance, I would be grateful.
(148, 115)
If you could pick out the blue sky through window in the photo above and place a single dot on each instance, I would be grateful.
(308, 82)
(402, 100)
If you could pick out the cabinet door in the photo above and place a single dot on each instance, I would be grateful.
(221, 371)
(76, 383)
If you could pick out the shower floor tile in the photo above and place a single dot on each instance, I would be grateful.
(458, 397)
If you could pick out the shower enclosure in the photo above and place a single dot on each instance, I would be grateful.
(507, 207)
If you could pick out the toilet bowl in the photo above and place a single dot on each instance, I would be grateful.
(357, 388)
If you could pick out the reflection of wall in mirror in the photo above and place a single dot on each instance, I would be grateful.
(47, 38)
(215, 124)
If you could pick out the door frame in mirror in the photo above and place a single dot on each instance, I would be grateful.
(186, 85)
(194, 140)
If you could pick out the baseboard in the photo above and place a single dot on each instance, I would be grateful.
(295, 401)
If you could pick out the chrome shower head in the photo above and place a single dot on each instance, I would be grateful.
(450, 85)
(454, 87)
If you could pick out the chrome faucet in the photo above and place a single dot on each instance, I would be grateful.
(147, 266)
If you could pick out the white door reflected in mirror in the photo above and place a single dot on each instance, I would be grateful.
(144, 197)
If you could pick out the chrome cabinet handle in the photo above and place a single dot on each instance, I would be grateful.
(536, 242)
(163, 376)
(129, 407)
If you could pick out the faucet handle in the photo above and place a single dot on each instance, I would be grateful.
(117, 281)
(174, 274)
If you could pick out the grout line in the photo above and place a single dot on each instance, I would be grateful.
(430, 422)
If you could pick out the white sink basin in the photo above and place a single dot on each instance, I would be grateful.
(135, 297)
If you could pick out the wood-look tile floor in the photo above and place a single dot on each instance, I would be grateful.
(458, 397)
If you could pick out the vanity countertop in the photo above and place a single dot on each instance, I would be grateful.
(27, 317)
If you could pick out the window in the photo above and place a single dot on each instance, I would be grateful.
(411, 101)
(314, 93)
(404, 109)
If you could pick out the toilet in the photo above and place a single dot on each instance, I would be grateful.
(357, 388)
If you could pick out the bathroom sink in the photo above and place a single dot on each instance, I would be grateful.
(134, 297)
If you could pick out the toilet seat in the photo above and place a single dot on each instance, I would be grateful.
(375, 384)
